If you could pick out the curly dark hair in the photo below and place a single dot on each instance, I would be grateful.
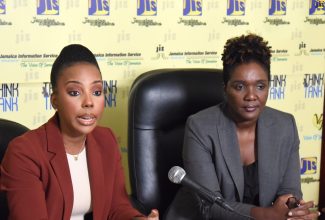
(245, 49)
(70, 55)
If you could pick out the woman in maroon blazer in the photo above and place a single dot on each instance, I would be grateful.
(69, 166)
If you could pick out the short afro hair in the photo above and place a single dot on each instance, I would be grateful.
(245, 49)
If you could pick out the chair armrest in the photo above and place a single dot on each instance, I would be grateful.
(138, 205)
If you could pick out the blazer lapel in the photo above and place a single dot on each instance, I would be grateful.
(230, 150)
(267, 156)
(59, 163)
(95, 169)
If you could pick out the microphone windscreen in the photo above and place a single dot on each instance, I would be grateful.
(176, 174)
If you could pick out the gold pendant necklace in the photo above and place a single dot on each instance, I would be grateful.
(76, 156)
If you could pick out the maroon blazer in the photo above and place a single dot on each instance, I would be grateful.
(35, 174)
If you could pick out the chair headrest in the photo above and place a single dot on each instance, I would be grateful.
(173, 94)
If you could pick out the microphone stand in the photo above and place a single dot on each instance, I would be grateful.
(205, 209)
(206, 205)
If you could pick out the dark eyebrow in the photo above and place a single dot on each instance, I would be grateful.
(262, 80)
(238, 81)
(77, 82)
(73, 81)
(243, 81)
(98, 81)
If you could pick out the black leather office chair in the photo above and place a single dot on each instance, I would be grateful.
(8, 131)
(160, 102)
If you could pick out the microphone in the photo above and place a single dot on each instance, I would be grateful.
(178, 175)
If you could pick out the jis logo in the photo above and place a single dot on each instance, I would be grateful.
(236, 8)
(147, 8)
(308, 165)
(192, 7)
(277, 7)
(98, 7)
(47, 7)
(316, 7)
(2, 7)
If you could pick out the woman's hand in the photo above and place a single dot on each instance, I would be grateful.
(303, 211)
(277, 211)
(154, 215)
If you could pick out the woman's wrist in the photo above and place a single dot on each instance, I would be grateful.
(268, 213)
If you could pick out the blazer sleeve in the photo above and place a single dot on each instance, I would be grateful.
(20, 176)
(198, 162)
(291, 183)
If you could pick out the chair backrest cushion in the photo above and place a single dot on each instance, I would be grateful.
(8, 131)
(160, 102)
